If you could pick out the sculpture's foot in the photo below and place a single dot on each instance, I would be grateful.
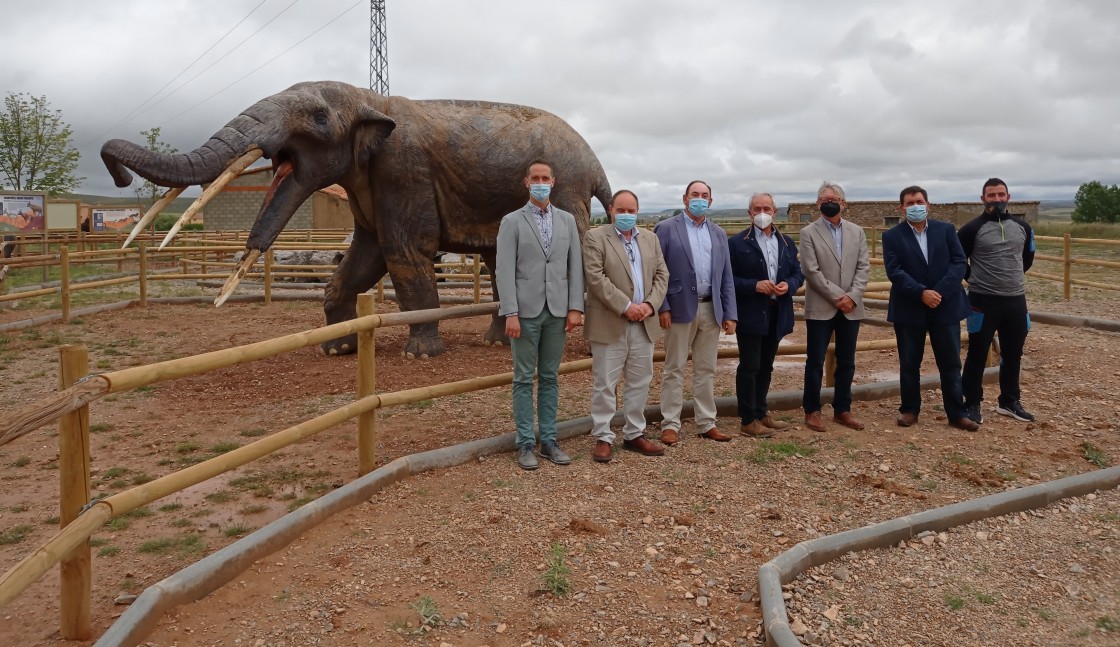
(341, 346)
(423, 345)
(496, 334)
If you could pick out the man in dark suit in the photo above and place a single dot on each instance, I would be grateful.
(700, 300)
(925, 264)
(766, 271)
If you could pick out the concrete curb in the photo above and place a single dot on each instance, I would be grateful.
(212, 572)
(807, 554)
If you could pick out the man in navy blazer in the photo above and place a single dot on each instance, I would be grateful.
(700, 300)
(766, 271)
(926, 264)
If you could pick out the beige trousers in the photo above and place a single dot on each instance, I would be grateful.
(701, 336)
(630, 357)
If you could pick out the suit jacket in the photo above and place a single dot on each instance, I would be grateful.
(748, 267)
(681, 300)
(610, 284)
(910, 274)
(527, 280)
(827, 276)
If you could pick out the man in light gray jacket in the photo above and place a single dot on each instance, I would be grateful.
(539, 274)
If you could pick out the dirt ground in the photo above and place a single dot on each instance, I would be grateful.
(652, 551)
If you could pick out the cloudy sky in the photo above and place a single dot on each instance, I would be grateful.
(750, 95)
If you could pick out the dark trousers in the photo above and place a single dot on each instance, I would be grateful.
(1008, 317)
(817, 336)
(946, 342)
(756, 366)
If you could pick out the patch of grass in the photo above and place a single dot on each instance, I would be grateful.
(1108, 623)
(142, 478)
(139, 513)
(51, 521)
(954, 602)
(770, 451)
(253, 433)
(22, 507)
(237, 530)
(146, 390)
(1110, 516)
(300, 502)
(118, 524)
(1095, 455)
(959, 459)
(22, 461)
(221, 496)
(100, 427)
(118, 484)
(129, 584)
(426, 608)
(222, 448)
(984, 598)
(170, 507)
(201, 512)
(1046, 614)
(95, 543)
(181, 523)
(14, 535)
(108, 551)
(555, 577)
(253, 509)
(853, 621)
(113, 472)
(420, 405)
(186, 447)
(157, 546)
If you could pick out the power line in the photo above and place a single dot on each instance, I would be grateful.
(174, 78)
(254, 70)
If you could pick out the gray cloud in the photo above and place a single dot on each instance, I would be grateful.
(750, 96)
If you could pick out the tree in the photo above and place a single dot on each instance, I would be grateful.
(36, 147)
(147, 193)
(1095, 202)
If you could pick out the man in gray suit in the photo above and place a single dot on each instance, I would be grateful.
(700, 300)
(539, 274)
(836, 266)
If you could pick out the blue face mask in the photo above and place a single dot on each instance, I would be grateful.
(540, 192)
(916, 212)
(697, 206)
(625, 221)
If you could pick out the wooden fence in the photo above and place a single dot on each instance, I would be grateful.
(80, 517)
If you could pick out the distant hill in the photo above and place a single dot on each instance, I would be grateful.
(178, 205)
(1055, 204)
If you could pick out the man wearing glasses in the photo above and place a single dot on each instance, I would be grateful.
(626, 278)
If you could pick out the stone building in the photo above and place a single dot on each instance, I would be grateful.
(884, 213)
(236, 207)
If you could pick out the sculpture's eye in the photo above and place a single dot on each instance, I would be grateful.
(321, 118)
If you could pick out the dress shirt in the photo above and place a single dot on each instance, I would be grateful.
(701, 243)
(544, 225)
(837, 236)
(923, 240)
(634, 255)
(769, 245)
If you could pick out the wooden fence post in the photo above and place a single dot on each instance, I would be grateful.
(1067, 265)
(267, 277)
(367, 385)
(381, 290)
(74, 486)
(143, 274)
(477, 278)
(64, 281)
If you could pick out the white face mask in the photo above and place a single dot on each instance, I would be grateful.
(763, 220)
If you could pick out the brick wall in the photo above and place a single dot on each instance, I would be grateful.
(236, 207)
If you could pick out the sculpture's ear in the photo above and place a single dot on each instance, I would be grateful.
(371, 128)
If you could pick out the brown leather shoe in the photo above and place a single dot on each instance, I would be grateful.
(715, 434)
(776, 425)
(602, 453)
(670, 436)
(845, 418)
(906, 419)
(643, 446)
(754, 429)
(814, 421)
(964, 423)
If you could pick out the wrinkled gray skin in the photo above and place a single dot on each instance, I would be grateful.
(422, 177)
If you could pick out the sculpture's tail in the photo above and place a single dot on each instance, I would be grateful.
(602, 188)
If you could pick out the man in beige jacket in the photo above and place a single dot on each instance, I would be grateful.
(836, 266)
(626, 279)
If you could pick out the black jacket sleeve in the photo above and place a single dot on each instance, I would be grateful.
(1028, 244)
(967, 236)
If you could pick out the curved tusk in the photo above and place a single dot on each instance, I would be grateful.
(232, 171)
(238, 274)
(159, 206)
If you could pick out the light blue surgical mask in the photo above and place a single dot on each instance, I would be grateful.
(916, 212)
(697, 206)
(540, 192)
(625, 221)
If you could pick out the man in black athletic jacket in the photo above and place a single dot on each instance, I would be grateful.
(1000, 249)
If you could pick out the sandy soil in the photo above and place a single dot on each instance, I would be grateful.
(659, 551)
